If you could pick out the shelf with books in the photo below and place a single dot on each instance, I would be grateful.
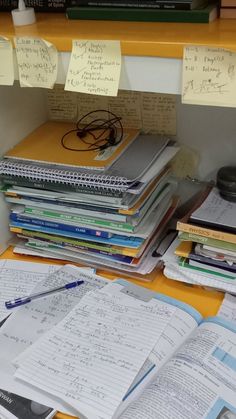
(152, 51)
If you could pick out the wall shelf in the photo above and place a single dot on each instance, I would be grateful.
(152, 52)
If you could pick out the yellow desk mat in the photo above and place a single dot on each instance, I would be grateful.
(207, 302)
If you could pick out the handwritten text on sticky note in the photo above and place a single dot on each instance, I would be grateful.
(94, 67)
(6, 62)
(37, 62)
(209, 76)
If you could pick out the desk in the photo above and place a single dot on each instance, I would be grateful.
(205, 301)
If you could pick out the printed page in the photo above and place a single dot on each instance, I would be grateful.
(62, 105)
(127, 106)
(37, 62)
(209, 76)
(94, 67)
(228, 308)
(18, 279)
(158, 113)
(97, 350)
(198, 382)
(183, 321)
(6, 62)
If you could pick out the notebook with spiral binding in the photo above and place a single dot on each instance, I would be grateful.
(141, 155)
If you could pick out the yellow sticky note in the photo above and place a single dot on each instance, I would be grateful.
(209, 76)
(6, 62)
(94, 67)
(37, 62)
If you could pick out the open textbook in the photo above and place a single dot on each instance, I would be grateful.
(124, 351)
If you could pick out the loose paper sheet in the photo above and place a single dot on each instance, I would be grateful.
(6, 62)
(37, 62)
(209, 76)
(94, 67)
(62, 105)
(228, 308)
(150, 112)
(96, 351)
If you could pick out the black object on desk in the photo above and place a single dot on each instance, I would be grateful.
(226, 182)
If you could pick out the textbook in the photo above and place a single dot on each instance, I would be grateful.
(210, 218)
(207, 241)
(152, 4)
(13, 406)
(205, 15)
(181, 366)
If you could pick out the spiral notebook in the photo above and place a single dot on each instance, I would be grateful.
(145, 154)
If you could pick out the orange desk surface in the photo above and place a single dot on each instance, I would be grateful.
(205, 301)
(156, 39)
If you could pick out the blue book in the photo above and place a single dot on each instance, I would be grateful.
(116, 239)
(60, 226)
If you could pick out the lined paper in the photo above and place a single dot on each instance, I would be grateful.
(94, 67)
(97, 350)
(209, 76)
(37, 62)
(6, 62)
(18, 279)
(227, 309)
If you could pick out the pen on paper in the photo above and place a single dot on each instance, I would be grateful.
(27, 299)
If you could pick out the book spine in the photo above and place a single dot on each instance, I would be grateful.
(39, 5)
(205, 232)
(138, 14)
(59, 226)
(17, 181)
(168, 4)
(207, 240)
(79, 219)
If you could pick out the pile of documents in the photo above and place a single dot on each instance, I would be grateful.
(205, 251)
(101, 208)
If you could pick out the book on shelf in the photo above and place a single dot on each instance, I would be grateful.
(183, 357)
(212, 217)
(13, 406)
(220, 244)
(152, 4)
(204, 15)
(39, 5)
(228, 12)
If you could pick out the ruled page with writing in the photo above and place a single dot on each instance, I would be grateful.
(92, 356)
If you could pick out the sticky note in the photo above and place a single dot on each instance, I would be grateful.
(209, 76)
(37, 62)
(94, 67)
(6, 62)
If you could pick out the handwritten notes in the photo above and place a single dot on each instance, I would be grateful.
(209, 76)
(18, 279)
(94, 67)
(6, 62)
(96, 351)
(37, 62)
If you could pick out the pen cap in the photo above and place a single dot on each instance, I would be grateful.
(23, 15)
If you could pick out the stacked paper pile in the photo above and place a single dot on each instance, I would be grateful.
(105, 209)
(205, 251)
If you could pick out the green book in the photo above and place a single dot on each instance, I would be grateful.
(204, 15)
(220, 244)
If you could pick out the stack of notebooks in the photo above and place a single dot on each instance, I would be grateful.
(205, 251)
(190, 11)
(105, 209)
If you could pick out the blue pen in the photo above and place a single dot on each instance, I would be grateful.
(24, 300)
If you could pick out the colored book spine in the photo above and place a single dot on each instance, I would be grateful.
(59, 226)
(168, 4)
(80, 219)
(208, 241)
(204, 15)
(206, 232)
(184, 264)
(39, 5)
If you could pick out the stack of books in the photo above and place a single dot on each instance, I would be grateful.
(205, 251)
(189, 11)
(228, 9)
(101, 208)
